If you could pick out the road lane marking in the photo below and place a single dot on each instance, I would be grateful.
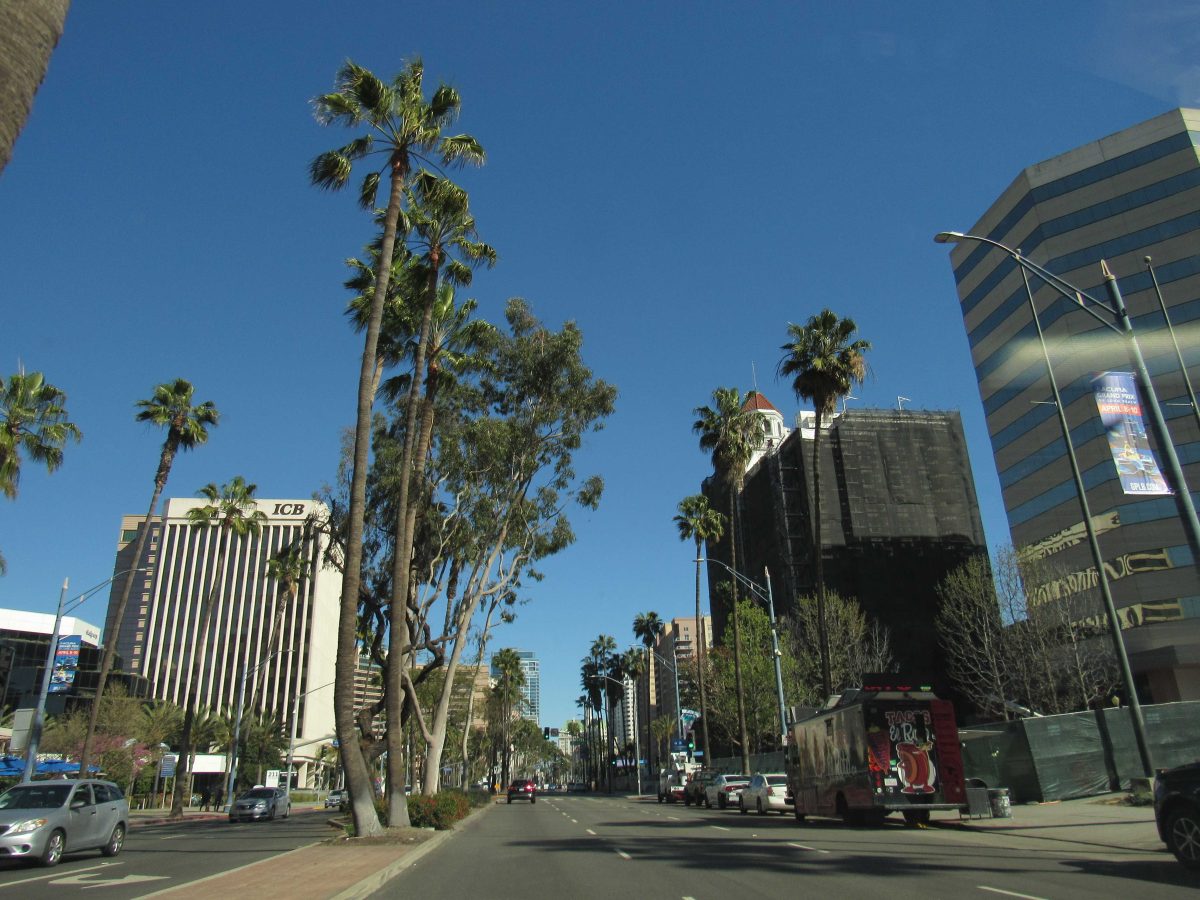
(589, 831)
(97, 879)
(720, 827)
(984, 887)
(806, 847)
(623, 854)
(673, 818)
(574, 821)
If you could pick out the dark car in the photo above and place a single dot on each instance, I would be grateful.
(697, 784)
(337, 799)
(522, 789)
(1177, 812)
(260, 803)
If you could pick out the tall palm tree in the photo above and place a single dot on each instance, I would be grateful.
(404, 128)
(232, 509)
(508, 666)
(187, 427)
(33, 423)
(826, 364)
(647, 627)
(632, 664)
(699, 522)
(730, 430)
(287, 567)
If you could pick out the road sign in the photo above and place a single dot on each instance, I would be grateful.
(677, 745)
(167, 766)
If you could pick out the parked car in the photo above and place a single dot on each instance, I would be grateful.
(522, 789)
(260, 803)
(693, 790)
(337, 799)
(43, 820)
(1177, 812)
(724, 790)
(765, 793)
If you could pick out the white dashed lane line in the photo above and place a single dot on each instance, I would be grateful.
(806, 847)
(984, 887)
(623, 854)
(589, 831)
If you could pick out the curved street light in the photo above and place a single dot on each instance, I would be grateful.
(39, 715)
(237, 725)
(769, 598)
(1183, 497)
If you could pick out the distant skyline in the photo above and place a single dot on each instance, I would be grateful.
(681, 181)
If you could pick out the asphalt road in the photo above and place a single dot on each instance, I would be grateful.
(163, 856)
(604, 847)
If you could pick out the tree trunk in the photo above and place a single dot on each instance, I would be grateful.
(737, 633)
(354, 764)
(183, 765)
(822, 630)
(700, 672)
(29, 32)
(118, 619)
(402, 558)
(435, 746)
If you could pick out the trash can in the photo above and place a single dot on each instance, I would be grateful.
(1001, 806)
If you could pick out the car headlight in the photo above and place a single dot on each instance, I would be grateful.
(261, 804)
(26, 826)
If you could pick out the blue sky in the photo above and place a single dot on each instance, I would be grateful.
(681, 179)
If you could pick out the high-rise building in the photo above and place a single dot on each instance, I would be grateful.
(251, 615)
(898, 513)
(1127, 199)
(531, 690)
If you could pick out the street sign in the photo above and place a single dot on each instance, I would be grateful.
(167, 766)
(677, 745)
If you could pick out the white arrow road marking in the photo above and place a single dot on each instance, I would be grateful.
(806, 847)
(96, 879)
(103, 865)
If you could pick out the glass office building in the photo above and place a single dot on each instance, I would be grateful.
(1129, 196)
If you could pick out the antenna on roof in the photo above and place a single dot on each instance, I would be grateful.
(754, 377)
(846, 397)
(900, 402)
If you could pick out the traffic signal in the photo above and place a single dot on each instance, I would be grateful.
(546, 733)
(691, 744)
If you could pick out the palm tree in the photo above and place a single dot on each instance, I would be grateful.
(288, 568)
(33, 422)
(632, 664)
(826, 364)
(32, 29)
(507, 664)
(408, 128)
(647, 627)
(698, 521)
(187, 427)
(232, 509)
(731, 432)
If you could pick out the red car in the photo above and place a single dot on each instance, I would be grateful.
(522, 789)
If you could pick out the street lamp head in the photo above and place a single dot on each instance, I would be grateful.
(948, 237)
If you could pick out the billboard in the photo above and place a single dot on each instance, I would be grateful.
(1121, 413)
(66, 661)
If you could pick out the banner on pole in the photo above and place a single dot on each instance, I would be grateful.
(1121, 413)
(66, 662)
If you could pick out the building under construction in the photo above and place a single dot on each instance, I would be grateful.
(898, 513)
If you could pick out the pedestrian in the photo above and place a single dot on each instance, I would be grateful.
(220, 795)
(205, 795)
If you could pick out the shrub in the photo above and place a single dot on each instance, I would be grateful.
(440, 811)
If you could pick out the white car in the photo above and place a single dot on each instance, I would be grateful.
(724, 790)
(765, 793)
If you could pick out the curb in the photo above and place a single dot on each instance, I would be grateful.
(376, 880)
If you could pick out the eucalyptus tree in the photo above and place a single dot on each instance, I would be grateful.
(497, 492)
(731, 431)
(699, 522)
(647, 627)
(172, 407)
(825, 364)
(33, 423)
(231, 509)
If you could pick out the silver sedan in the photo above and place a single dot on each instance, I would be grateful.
(765, 793)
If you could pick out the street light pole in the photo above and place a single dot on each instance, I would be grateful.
(674, 671)
(1187, 380)
(295, 723)
(1110, 612)
(769, 597)
(237, 723)
(39, 715)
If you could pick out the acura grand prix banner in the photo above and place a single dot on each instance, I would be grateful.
(1121, 413)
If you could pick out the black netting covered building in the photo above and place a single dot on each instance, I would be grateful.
(899, 512)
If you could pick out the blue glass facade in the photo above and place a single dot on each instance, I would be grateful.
(1131, 195)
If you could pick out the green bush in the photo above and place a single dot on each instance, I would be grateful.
(440, 811)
